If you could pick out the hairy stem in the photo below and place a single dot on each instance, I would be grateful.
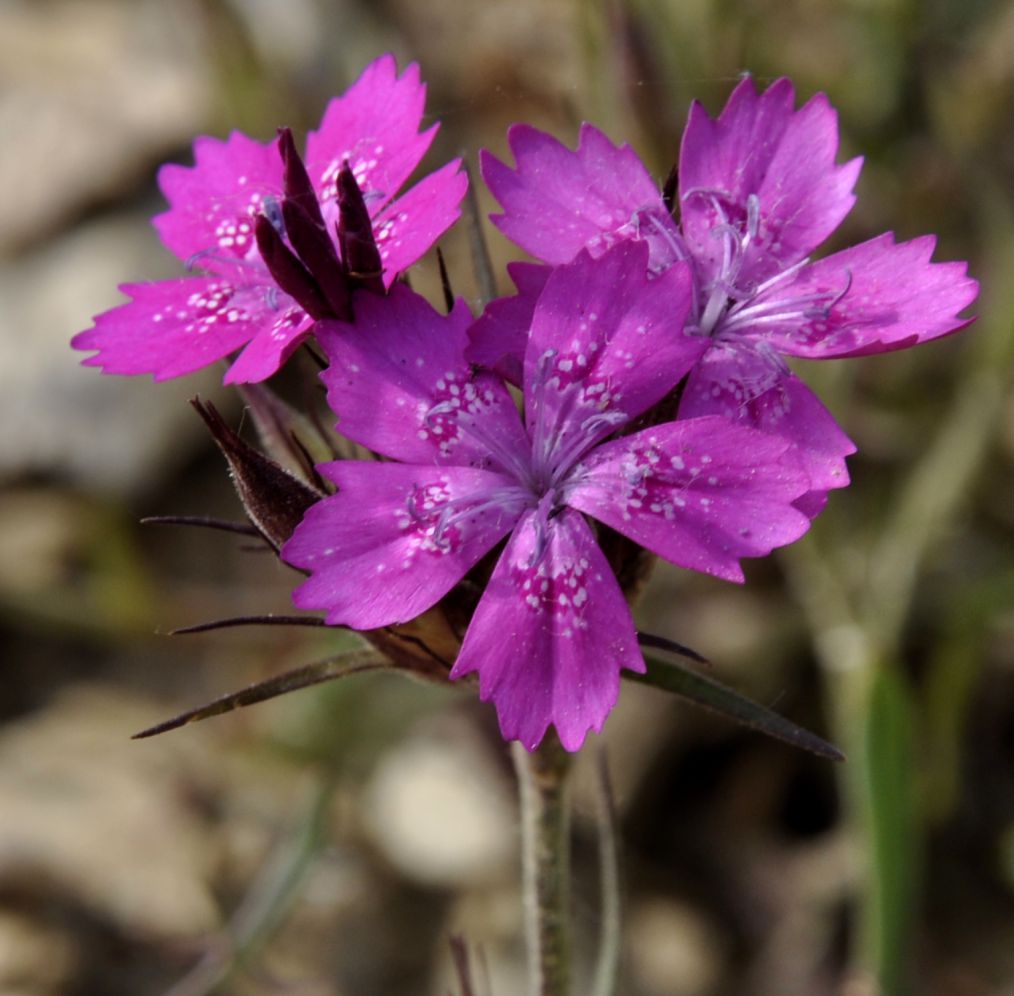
(545, 843)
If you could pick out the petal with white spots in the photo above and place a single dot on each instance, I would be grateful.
(175, 327)
(607, 342)
(396, 538)
(212, 204)
(557, 202)
(551, 634)
(374, 125)
(879, 296)
(400, 385)
(734, 381)
(761, 147)
(700, 492)
(405, 229)
(273, 344)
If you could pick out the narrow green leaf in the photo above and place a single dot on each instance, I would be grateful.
(895, 836)
(270, 619)
(350, 662)
(607, 964)
(482, 265)
(663, 643)
(710, 694)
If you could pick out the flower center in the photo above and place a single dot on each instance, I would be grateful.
(731, 303)
(570, 412)
(581, 416)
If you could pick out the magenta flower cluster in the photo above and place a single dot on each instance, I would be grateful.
(647, 345)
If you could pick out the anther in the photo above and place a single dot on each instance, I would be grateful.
(752, 215)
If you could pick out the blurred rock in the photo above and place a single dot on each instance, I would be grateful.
(673, 950)
(102, 817)
(34, 960)
(442, 814)
(91, 91)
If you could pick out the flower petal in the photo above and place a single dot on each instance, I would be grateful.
(888, 296)
(213, 203)
(174, 327)
(550, 637)
(374, 125)
(557, 201)
(606, 343)
(269, 349)
(498, 339)
(390, 544)
(748, 384)
(759, 146)
(405, 229)
(401, 386)
(700, 492)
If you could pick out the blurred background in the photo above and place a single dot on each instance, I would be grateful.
(333, 841)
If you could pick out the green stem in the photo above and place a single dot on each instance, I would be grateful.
(607, 967)
(545, 852)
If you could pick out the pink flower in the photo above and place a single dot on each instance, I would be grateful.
(174, 327)
(552, 630)
(758, 192)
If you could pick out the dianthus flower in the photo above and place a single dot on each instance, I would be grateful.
(552, 630)
(758, 191)
(242, 196)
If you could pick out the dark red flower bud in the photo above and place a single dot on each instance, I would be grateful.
(316, 250)
(355, 234)
(288, 272)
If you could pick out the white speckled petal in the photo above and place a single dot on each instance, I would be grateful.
(551, 634)
(734, 381)
(607, 342)
(174, 327)
(408, 227)
(557, 201)
(700, 492)
(213, 203)
(399, 383)
(374, 125)
(886, 295)
(761, 146)
(273, 344)
(396, 538)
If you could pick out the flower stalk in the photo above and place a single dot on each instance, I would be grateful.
(543, 785)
